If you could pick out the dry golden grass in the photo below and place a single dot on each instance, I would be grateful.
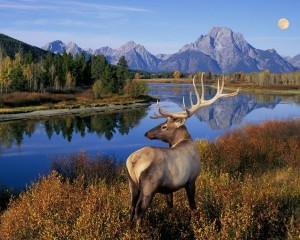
(249, 188)
(28, 102)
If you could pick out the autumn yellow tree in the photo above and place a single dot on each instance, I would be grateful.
(176, 74)
(28, 71)
(137, 76)
(69, 81)
(5, 70)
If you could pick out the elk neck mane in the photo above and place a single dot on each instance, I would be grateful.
(181, 135)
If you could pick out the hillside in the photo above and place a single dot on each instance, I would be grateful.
(10, 46)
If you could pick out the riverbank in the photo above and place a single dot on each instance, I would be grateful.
(281, 89)
(26, 105)
(70, 111)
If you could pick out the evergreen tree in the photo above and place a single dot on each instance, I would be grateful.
(18, 81)
(86, 72)
(108, 79)
(98, 65)
(58, 62)
(122, 74)
(67, 64)
(77, 68)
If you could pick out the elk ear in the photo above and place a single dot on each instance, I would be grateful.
(179, 122)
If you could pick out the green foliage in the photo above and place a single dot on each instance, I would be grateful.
(136, 88)
(98, 64)
(18, 81)
(98, 89)
(109, 80)
(122, 74)
(89, 198)
(9, 47)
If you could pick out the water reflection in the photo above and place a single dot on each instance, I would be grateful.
(226, 112)
(231, 111)
(221, 115)
(26, 147)
(106, 125)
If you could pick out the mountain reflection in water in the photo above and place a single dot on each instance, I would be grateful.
(225, 112)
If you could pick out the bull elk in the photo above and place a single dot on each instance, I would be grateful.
(165, 170)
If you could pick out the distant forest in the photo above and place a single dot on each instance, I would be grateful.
(29, 72)
(27, 68)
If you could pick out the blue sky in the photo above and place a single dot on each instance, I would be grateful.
(162, 26)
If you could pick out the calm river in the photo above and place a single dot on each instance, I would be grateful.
(28, 147)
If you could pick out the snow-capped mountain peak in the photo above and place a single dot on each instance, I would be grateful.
(221, 51)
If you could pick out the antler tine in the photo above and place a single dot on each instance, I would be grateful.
(164, 113)
(202, 90)
(191, 100)
(219, 94)
(201, 102)
(222, 86)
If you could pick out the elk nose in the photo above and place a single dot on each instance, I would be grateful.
(147, 135)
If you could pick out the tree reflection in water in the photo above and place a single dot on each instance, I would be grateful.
(107, 124)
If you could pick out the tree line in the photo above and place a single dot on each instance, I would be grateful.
(265, 78)
(54, 72)
(262, 78)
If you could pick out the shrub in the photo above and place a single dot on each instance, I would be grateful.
(90, 198)
(266, 207)
(105, 168)
(23, 99)
(136, 88)
(254, 149)
(56, 209)
(98, 89)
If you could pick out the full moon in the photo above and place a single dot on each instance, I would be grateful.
(283, 23)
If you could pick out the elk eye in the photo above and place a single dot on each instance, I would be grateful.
(164, 127)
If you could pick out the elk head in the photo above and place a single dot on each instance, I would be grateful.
(174, 129)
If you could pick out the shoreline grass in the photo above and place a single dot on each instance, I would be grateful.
(249, 188)
(29, 102)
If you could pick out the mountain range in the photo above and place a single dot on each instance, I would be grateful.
(220, 51)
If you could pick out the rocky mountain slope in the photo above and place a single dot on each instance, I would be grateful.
(295, 61)
(220, 51)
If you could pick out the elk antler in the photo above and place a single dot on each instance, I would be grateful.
(201, 102)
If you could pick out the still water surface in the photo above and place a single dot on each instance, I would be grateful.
(28, 147)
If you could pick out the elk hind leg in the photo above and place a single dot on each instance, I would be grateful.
(190, 189)
(135, 193)
(169, 198)
(147, 187)
(142, 205)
